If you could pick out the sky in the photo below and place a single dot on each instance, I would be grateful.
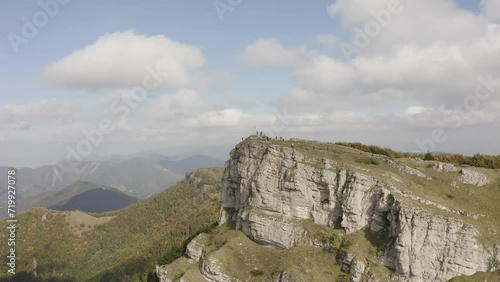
(85, 78)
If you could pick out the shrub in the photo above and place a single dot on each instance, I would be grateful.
(346, 242)
(368, 161)
(256, 272)
(171, 255)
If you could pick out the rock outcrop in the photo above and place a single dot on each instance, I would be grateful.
(194, 249)
(280, 181)
(446, 167)
(409, 170)
(468, 176)
(268, 229)
(354, 267)
(269, 189)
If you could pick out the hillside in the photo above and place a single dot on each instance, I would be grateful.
(303, 210)
(122, 245)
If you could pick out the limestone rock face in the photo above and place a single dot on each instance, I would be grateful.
(267, 187)
(265, 228)
(432, 248)
(468, 176)
(281, 182)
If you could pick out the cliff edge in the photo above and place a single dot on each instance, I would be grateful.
(297, 209)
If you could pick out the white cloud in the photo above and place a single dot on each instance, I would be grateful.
(208, 80)
(352, 12)
(414, 110)
(182, 104)
(490, 8)
(419, 24)
(122, 59)
(238, 101)
(270, 51)
(23, 116)
(324, 73)
(219, 118)
(432, 70)
(328, 40)
(118, 96)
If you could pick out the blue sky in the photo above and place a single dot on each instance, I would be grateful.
(278, 65)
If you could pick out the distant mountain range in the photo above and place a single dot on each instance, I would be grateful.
(139, 177)
(188, 164)
(81, 195)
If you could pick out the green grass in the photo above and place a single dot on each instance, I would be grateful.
(478, 277)
(126, 247)
(248, 261)
(75, 219)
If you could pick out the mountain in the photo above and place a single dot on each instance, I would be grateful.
(214, 151)
(139, 177)
(50, 198)
(121, 245)
(189, 164)
(303, 210)
(96, 200)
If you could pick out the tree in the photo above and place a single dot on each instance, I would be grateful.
(429, 156)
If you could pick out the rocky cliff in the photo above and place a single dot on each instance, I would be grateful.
(377, 218)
